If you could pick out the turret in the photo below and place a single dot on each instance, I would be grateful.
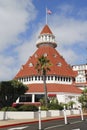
(46, 37)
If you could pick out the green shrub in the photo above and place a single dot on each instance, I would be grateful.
(55, 107)
(54, 100)
(8, 109)
(44, 108)
(28, 108)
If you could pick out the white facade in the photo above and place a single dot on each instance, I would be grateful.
(80, 67)
(81, 78)
(49, 79)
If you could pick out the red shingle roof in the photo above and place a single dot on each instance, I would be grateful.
(39, 88)
(59, 66)
(46, 30)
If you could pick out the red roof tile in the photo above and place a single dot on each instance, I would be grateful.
(39, 88)
(59, 66)
(46, 30)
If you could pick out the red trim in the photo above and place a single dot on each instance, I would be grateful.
(51, 95)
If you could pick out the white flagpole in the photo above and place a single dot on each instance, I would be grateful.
(46, 15)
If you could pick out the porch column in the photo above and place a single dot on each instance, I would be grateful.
(33, 98)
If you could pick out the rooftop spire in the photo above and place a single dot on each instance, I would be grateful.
(46, 30)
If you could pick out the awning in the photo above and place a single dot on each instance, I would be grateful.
(51, 95)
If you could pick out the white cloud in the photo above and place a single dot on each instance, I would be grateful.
(28, 48)
(70, 32)
(69, 55)
(14, 16)
(7, 67)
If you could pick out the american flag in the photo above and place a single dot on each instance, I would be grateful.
(49, 11)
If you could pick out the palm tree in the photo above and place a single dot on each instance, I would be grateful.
(42, 67)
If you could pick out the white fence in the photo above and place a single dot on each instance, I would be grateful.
(33, 115)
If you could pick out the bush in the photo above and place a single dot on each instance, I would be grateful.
(44, 108)
(28, 108)
(8, 109)
(55, 107)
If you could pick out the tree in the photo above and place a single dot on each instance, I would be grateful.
(83, 98)
(42, 67)
(10, 91)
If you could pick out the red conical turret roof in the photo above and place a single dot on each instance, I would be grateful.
(46, 30)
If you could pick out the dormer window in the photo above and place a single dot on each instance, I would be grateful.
(59, 64)
(30, 64)
(45, 54)
(55, 55)
(36, 56)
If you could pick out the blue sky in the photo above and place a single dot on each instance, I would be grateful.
(21, 23)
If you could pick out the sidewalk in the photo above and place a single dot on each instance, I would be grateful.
(10, 122)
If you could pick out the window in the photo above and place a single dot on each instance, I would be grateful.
(38, 97)
(55, 55)
(58, 78)
(61, 78)
(35, 77)
(55, 77)
(69, 79)
(64, 78)
(29, 78)
(51, 77)
(48, 77)
(24, 79)
(25, 98)
(45, 54)
(45, 77)
(32, 78)
(21, 79)
(59, 64)
(30, 64)
(36, 56)
(38, 77)
(41, 77)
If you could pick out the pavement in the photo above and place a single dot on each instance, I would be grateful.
(15, 122)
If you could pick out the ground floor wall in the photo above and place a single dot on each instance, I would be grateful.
(68, 97)
(61, 97)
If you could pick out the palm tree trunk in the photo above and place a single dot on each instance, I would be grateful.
(45, 91)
